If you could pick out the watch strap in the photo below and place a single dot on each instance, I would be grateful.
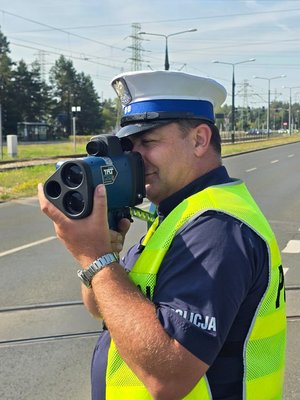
(86, 275)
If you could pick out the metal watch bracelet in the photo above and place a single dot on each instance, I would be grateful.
(86, 275)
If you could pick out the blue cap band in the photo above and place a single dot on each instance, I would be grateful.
(199, 108)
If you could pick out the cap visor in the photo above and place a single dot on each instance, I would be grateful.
(138, 128)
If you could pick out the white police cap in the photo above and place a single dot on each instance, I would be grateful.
(154, 98)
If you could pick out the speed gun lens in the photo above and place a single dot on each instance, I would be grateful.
(73, 202)
(72, 175)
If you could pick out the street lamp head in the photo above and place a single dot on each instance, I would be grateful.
(222, 62)
(170, 34)
(167, 65)
(270, 78)
(233, 63)
(291, 87)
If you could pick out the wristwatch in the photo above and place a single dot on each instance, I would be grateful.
(86, 275)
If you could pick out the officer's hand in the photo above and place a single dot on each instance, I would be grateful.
(117, 238)
(87, 238)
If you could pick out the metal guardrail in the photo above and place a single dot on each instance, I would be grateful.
(256, 135)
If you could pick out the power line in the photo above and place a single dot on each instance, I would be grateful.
(69, 56)
(82, 56)
(238, 44)
(60, 30)
(65, 31)
(164, 20)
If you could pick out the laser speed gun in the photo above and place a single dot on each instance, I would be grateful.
(109, 161)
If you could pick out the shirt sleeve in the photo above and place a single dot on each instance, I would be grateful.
(212, 276)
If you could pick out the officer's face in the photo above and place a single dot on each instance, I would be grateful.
(169, 160)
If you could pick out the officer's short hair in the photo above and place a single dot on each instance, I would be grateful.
(187, 124)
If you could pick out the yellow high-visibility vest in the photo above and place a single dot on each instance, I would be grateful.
(264, 348)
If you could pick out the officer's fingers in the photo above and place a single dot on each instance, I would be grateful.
(123, 226)
(48, 208)
(116, 240)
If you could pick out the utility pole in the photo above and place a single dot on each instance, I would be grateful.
(75, 111)
(269, 96)
(245, 103)
(290, 106)
(233, 92)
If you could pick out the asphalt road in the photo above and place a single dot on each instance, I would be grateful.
(46, 336)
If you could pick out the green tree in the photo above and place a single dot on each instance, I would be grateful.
(31, 94)
(74, 89)
(89, 118)
(6, 71)
(109, 114)
(63, 81)
(41, 95)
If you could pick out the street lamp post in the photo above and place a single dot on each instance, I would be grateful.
(233, 92)
(75, 110)
(290, 106)
(167, 64)
(269, 96)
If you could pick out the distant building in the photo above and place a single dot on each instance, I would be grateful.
(35, 131)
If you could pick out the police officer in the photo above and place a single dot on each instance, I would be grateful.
(196, 309)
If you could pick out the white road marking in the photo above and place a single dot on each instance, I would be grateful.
(274, 161)
(26, 246)
(293, 246)
(291, 155)
(251, 169)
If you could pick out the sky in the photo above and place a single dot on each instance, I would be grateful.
(100, 36)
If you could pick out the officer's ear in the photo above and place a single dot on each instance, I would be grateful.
(202, 136)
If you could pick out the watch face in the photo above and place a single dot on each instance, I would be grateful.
(84, 279)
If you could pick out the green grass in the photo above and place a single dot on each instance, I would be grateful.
(23, 182)
(229, 149)
(60, 148)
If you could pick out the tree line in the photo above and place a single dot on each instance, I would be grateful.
(26, 97)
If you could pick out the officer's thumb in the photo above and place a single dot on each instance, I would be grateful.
(100, 203)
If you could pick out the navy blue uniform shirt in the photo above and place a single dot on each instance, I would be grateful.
(208, 288)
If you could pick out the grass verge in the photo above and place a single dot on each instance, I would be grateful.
(43, 150)
(23, 182)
